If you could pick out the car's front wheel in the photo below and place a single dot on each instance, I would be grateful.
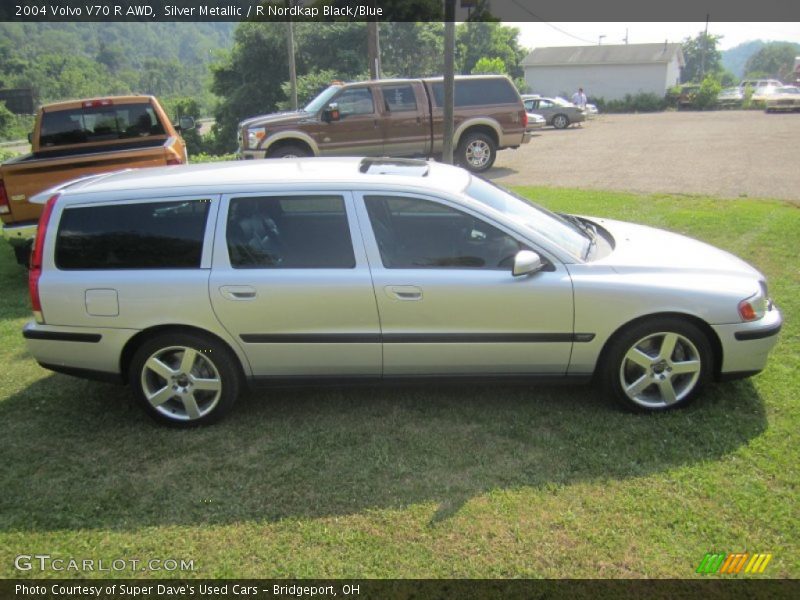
(561, 121)
(288, 151)
(657, 364)
(184, 379)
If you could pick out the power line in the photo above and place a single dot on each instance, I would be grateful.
(538, 18)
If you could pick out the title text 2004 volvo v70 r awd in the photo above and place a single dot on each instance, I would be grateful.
(189, 281)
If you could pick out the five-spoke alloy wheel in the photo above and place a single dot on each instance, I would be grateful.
(184, 379)
(658, 364)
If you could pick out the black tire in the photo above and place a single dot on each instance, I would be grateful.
(176, 399)
(288, 151)
(476, 152)
(561, 121)
(638, 370)
(22, 253)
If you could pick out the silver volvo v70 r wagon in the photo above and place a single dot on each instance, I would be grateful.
(188, 282)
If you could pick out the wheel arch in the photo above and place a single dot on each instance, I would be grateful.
(708, 331)
(133, 344)
(486, 126)
(290, 138)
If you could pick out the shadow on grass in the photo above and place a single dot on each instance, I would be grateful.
(80, 454)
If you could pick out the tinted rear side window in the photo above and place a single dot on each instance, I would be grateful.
(152, 235)
(478, 92)
(289, 232)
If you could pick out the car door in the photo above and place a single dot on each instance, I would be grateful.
(447, 300)
(290, 282)
(405, 121)
(358, 130)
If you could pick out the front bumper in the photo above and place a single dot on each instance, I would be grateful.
(19, 234)
(746, 346)
(251, 154)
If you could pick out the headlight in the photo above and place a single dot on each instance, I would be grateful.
(254, 136)
(756, 306)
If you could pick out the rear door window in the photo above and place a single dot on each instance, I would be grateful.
(289, 232)
(148, 235)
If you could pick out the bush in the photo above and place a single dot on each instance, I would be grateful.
(208, 158)
(706, 97)
(644, 102)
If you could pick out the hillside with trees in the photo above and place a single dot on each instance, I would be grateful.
(74, 60)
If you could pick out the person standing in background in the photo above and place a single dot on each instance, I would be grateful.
(579, 100)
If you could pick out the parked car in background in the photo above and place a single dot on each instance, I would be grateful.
(395, 117)
(79, 138)
(763, 93)
(687, 95)
(732, 97)
(786, 98)
(591, 110)
(535, 121)
(557, 112)
(757, 83)
(189, 282)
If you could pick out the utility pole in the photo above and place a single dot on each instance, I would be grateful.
(448, 83)
(600, 40)
(626, 36)
(290, 53)
(374, 50)
(703, 52)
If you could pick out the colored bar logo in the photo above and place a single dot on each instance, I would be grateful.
(733, 564)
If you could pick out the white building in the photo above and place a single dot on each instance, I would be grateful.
(607, 72)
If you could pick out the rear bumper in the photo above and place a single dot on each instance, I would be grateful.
(746, 346)
(19, 234)
(77, 351)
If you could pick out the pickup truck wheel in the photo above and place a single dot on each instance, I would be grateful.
(288, 152)
(184, 380)
(476, 152)
(561, 121)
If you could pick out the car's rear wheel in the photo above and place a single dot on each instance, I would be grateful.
(288, 151)
(561, 121)
(184, 379)
(657, 365)
(476, 152)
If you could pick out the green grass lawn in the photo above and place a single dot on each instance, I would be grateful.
(420, 481)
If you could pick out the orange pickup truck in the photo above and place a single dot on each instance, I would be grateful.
(78, 139)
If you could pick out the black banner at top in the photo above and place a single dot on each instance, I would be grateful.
(398, 10)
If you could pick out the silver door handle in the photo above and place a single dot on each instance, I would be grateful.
(403, 292)
(238, 292)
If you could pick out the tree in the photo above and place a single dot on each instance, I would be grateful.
(489, 66)
(475, 41)
(412, 49)
(775, 59)
(693, 55)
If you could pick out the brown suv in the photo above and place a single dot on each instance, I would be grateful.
(394, 117)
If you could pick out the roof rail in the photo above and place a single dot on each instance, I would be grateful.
(394, 166)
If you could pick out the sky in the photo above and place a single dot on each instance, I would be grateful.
(540, 35)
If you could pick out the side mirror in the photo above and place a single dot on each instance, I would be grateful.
(526, 262)
(186, 124)
(331, 113)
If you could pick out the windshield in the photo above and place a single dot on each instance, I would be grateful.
(556, 229)
(322, 100)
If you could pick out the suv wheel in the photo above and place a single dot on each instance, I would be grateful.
(476, 152)
(561, 121)
(184, 379)
(657, 365)
(288, 151)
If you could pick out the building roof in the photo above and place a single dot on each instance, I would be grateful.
(621, 54)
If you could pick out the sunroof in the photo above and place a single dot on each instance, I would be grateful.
(394, 166)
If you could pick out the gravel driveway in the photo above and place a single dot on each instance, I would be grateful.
(729, 154)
